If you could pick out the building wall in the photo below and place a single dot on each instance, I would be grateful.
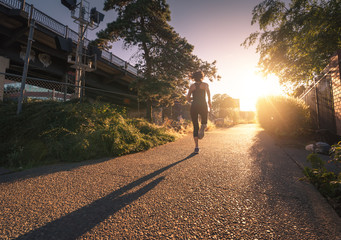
(336, 85)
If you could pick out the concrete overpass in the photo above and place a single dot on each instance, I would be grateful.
(49, 61)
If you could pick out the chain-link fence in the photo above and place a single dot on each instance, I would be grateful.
(43, 89)
(36, 88)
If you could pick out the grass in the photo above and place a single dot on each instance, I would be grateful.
(51, 132)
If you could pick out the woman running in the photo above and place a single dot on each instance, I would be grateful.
(197, 92)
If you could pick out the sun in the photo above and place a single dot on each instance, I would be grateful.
(258, 86)
(247, 86)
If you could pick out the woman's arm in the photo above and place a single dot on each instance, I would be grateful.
(188, 97)
(208, 96)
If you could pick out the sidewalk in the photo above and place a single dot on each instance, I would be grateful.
(241, 186)
(299, 156)
(4, 171)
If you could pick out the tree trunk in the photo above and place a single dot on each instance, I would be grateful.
(149, 108)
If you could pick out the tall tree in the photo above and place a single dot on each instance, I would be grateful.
(223, 105)
(295, 42)
(165, 59)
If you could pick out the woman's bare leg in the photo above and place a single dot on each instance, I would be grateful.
(196, 141)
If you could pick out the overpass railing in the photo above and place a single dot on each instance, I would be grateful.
(62, 30)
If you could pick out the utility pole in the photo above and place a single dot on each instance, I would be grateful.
(86, 19)
(80, 72)
(27, 61)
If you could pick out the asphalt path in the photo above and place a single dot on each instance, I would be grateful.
(241, 186)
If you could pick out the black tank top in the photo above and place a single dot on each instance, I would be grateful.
(199, 96)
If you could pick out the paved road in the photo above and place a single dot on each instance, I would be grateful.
(241, 186)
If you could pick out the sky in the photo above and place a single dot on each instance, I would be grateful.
(215, 28)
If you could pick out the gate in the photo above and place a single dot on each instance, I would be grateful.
(319, 98)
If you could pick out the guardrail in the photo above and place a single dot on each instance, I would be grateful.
(62, 30)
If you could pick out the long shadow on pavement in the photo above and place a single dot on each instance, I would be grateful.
(84, 219)
(46, 170)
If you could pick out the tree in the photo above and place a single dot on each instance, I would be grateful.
(295, 42)
(165, 59)
(223, 105)
(298, 91)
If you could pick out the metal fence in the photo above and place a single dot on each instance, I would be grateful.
(319, 98)
(62, 30)
(43, 89)
(36, 88)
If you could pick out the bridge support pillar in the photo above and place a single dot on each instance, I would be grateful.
(4, 64)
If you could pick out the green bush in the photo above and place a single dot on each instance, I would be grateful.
(48, 132)
(283, 116)
(336, 152)
(328, 183)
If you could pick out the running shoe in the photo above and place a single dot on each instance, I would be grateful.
(202, 131)
(196, 150)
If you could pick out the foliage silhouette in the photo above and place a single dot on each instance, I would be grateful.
(164, 59)
(295, 42)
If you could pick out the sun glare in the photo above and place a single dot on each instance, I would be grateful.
(258, 86)
(247, 86)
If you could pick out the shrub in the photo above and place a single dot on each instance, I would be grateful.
(336, 151)
(48, 132)
(283, 116)
(328, 183)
